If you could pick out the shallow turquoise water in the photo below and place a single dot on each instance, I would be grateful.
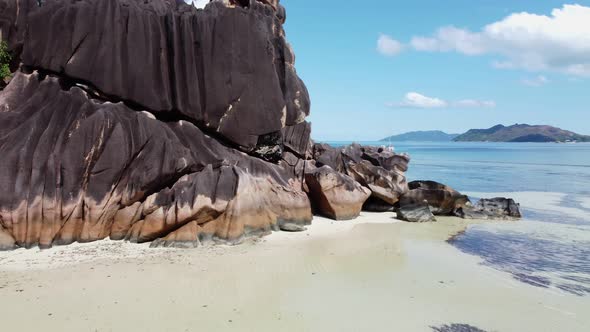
(550, 247)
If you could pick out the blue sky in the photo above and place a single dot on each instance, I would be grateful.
(530, 69)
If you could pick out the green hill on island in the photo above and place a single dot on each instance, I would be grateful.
(422, 136)
(521, 133)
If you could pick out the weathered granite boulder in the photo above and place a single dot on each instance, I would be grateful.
(442, 199)
(90, 169)
(498, 208)
(226, 68)
(417, 212)
(334, 194)
(378, 169)
(326, 155)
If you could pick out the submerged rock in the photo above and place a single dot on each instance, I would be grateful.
(456, 328)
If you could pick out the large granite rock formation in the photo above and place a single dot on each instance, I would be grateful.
(78, 169)
(150, 120)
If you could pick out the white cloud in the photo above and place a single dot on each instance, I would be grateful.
(472, 103)
(388, 46)
(535, 81)
(199, 3)
(558, 42)
(417, 100)
(450, 39)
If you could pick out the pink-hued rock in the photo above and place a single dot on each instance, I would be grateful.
(89, 169)
(334, 194)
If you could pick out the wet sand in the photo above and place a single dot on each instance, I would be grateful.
(372, 274)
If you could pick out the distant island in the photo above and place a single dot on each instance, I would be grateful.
(521, 133)
(499, 133)
(422, 136)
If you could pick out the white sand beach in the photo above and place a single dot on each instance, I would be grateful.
(371, 274)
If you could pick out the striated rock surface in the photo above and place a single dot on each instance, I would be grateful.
(150, 121)
(227, 68)
(88, 170)
(334, 194)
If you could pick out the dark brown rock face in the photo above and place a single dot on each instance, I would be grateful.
(296, 139)
(87, 170)
(334, 194)
(228, 69)
(494, 208)
(442, 199)
(130, 119)
(378, 169)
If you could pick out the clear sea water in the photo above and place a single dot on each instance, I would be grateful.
(550, 247)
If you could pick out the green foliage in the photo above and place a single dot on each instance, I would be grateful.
(4, 60)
